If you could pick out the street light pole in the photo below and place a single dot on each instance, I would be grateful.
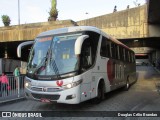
(18, 13)
(87, 18)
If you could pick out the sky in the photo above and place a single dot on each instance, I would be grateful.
(33, 11)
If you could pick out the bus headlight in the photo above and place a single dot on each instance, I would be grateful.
(71, 85)
(27, 84)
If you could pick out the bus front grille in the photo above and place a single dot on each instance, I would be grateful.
(50, 97)
(46, 89)
(36, 89)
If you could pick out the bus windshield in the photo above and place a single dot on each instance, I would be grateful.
(53, 55)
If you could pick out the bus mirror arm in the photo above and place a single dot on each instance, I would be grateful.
(20, 46)
(78, 44)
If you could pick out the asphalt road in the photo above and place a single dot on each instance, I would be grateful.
(142, 96)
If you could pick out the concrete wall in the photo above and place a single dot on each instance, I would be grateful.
(30, 31)
(131, 23)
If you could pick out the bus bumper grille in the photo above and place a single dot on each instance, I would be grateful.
(50, 97)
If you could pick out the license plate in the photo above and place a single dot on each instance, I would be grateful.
(45, 100)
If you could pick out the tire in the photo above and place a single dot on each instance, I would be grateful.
(126, 87)
(100, 93)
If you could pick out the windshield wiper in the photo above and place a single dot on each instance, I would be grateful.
(43, 62)
(55, 68)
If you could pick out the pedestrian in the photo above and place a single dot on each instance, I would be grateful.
(16, 74)
(4, 84)
(115, 9)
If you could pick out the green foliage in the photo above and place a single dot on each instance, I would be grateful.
(54, 4)
(6, 20)
(53, 13)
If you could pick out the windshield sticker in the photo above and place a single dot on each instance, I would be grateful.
(56, 39)
(45, 39)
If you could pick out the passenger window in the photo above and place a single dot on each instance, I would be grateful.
(124, 55)
(121, 53)
(103, 51)
(108, 44)
(105, 48)
(94, 39)
(129, 57)
(133, 57)
(89, 50)
(113, 51)
(86, 55)
(116, 51)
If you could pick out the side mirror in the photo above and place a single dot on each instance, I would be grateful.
(78, 44)
(20, 46)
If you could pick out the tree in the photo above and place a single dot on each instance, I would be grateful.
(53, 11)
(6, 20)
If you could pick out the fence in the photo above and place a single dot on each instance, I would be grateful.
(14, 91)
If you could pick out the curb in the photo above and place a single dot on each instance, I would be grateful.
(11, 101)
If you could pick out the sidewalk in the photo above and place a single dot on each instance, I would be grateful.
(12, 97)
(14, 94)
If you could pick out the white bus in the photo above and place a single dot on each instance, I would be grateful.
(75, 64)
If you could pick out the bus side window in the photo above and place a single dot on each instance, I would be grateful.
(94, 40)
(129, 57)
(121, 53)
(113, 50)
(124, 55)
(108, 48)
(103, 51)
(133, 57)
(116, 52)
(86, 58)
(105, 48)
(89, 50)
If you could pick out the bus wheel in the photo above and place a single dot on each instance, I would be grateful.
(126, 87)
(100, 93)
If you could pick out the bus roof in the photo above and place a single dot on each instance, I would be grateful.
(78, 29)
(69, 29)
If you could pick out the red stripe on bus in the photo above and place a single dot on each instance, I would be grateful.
(110, 70)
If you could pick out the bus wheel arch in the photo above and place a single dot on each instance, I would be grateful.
(100, 91)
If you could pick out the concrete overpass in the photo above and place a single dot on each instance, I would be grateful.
(12, 36)
(138, 28)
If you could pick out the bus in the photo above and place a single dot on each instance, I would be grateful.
(74, 64)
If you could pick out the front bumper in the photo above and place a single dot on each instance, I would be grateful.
(68, 96)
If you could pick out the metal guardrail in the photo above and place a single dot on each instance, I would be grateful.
(14, 91)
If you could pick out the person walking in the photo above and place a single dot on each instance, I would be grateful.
(16, 75)
(4, 84)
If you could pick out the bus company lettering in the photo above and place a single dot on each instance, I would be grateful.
(59, 83)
